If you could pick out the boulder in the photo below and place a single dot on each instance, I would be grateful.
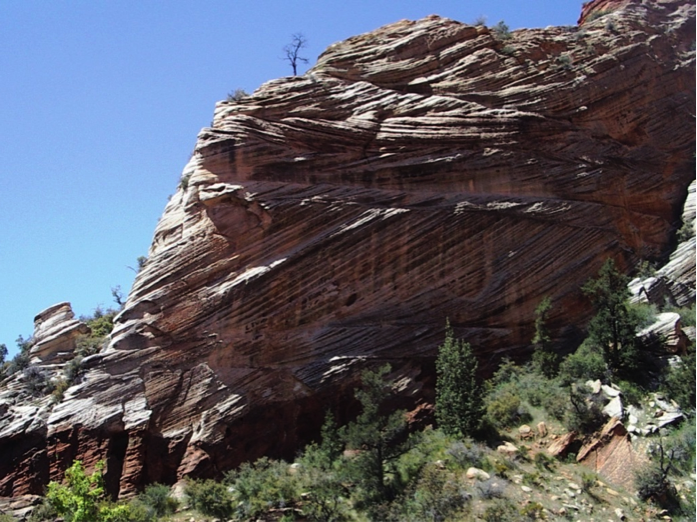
(610, 454)
(560, 447)
(508, 449)
(477, 474)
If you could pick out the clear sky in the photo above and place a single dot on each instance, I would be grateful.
(100, 105)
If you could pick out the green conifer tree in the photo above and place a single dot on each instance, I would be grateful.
(378, 436)
(614, 326)
(544, 359)
(459, 404)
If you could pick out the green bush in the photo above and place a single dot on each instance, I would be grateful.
(467, 454)
(544, 462)
(82, 497)
(679, 382)
(586, 363)
(501, 31)
(21, 359)
(533, 511)
(437, 496)
(505, 409)
(211, 498)
(237, 96)
(500, 510)
(59, 389)
(652, 484)
(44, 512)
(495, 487)
(36, 381)
(262, 485)
(157, 497)
(133, 511)
(584, 414)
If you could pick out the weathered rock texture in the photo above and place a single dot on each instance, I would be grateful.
(611, 454)
(55, 333)
(424, 171)
(673, 283)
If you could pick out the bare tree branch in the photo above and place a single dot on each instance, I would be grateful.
(292, 51)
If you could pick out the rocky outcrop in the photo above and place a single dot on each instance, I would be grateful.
(611, 454)
(424, 171)
(23, 412)
(674, 283)
(55, 334)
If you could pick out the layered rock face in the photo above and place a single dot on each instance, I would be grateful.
(426, 171)
(55, 333)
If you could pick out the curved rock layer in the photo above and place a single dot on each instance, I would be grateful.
(424, 171)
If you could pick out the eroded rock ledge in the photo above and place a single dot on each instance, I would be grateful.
(424, 171)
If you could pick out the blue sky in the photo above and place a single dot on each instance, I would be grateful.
(100, 105)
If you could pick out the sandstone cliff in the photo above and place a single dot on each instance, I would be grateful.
(424, 171)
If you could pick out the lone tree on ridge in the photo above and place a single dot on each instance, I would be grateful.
(292, 51)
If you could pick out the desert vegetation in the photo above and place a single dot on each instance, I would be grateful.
(487, 456)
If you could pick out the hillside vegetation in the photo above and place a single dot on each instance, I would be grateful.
(502, 450)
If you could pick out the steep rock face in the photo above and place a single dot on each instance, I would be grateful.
(23, 414)
(424, 171)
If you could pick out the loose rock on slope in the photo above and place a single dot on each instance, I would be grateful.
(424, 171)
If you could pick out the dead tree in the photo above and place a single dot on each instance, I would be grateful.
(292, 51)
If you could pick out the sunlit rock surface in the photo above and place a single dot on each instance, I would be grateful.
(332, 221)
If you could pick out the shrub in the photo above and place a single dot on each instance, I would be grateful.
(652, 484)
(501, 31)
(72, 369)
(5, 517)
(466, 454)
(36, 381)
(262, 485)
(210, 498)
(687, 230)
(184, 181)
(501, 510)
(157, 498)
(505, 409)
(679, 381)
(78, 499)
(44, 512)
(3, 356)
(237, 95)
(437, 496)
(564, 62)
(585, 414)
(21, 360)
(59, 389)
(586, 363)
(133, 511)
(544, 462)
(533, 511)
(495, 487)
(588, 481)
(598, 14)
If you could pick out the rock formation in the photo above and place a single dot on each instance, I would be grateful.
(424, 171)
(55, 333)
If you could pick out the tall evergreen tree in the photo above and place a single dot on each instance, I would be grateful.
(459, 404)
(614, 326)
(379, 437)
(544, 359)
